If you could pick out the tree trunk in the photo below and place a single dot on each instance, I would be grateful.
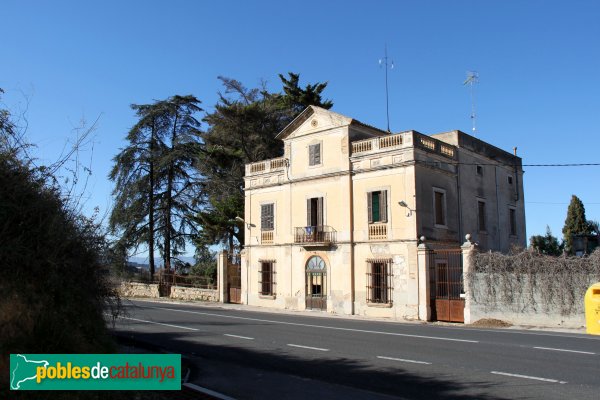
(151, 205)
(169, 205)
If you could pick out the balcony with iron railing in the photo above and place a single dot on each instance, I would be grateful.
(262, 167)
(323, 235)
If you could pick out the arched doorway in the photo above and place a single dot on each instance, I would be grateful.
(316, 284)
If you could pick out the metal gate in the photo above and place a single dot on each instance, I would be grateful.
(316, 284)
(446, 285)
(234, 283)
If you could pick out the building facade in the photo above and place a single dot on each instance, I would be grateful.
(335, 223)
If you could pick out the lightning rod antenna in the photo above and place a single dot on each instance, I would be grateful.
(383, 62)
(472, 79)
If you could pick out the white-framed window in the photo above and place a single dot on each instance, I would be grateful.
(314, 154)
(439, 208)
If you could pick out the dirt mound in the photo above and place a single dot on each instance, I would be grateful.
(491, 323)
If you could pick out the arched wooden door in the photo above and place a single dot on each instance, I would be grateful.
(316, 284)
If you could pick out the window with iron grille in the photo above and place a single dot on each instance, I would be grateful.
(379, 281)
(267, 277)
(267, 217)
(377, 206)
(314, 154)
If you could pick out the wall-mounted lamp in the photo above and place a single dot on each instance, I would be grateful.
(248, 224)
(403, 204)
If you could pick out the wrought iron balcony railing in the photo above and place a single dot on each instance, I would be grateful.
(317, 235)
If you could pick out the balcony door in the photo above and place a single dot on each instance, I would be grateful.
(314, 212)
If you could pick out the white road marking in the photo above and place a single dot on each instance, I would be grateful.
(404, 360)
(318, 326)
(239, 337)
(569, 351)
(307, 347)
(160, 323)
(536, 378)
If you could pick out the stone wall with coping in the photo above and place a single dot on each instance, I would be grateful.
(136, 289)
(191, 293)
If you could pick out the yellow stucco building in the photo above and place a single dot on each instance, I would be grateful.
(335, 223)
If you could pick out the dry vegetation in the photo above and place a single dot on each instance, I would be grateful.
(528, 281)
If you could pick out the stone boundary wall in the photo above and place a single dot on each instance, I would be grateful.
(191, 293)
(136, 289)
(520, 312)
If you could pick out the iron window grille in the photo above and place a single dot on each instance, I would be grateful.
(379, 281)
(267, 277)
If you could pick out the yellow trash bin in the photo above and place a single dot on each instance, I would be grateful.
(592, 309)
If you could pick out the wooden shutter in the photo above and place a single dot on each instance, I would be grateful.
(320, 211)
(308, 212)
(267, 217)
(370, 206)
(383, 206)
(317, 154)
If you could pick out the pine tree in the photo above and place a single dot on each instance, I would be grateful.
(575, 223)
(242, 130)
(547, 244)
(155, 185)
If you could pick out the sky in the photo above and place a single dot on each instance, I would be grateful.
(67, 62)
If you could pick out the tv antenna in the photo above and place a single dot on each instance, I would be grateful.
(383, 62)
(472, 78)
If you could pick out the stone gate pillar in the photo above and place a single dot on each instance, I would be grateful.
(222, 265)
(468, 250)
(423, 259)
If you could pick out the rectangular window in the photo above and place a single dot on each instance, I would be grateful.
(481, 215)
(439, 206)
(510, 179)
(513, 221)
(377, 206)
(267, 217)
(267, 281)
(379, 281)
(314, 154)
(480, 170)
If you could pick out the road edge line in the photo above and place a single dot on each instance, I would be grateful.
(204, 390)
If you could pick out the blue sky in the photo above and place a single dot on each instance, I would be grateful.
(538, 62)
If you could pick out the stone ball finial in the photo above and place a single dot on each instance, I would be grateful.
(422, 238)
(468, 237)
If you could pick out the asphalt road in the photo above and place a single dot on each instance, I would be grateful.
(258, 355)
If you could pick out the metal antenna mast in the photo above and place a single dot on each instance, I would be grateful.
(472, 78)
(383, 62)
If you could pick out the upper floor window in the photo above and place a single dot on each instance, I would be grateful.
(314, 154)
(439, 207)
(479, 170)
(377, 206)
(267, 217)
(510, 180)
(481, 215)
(512, 216)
